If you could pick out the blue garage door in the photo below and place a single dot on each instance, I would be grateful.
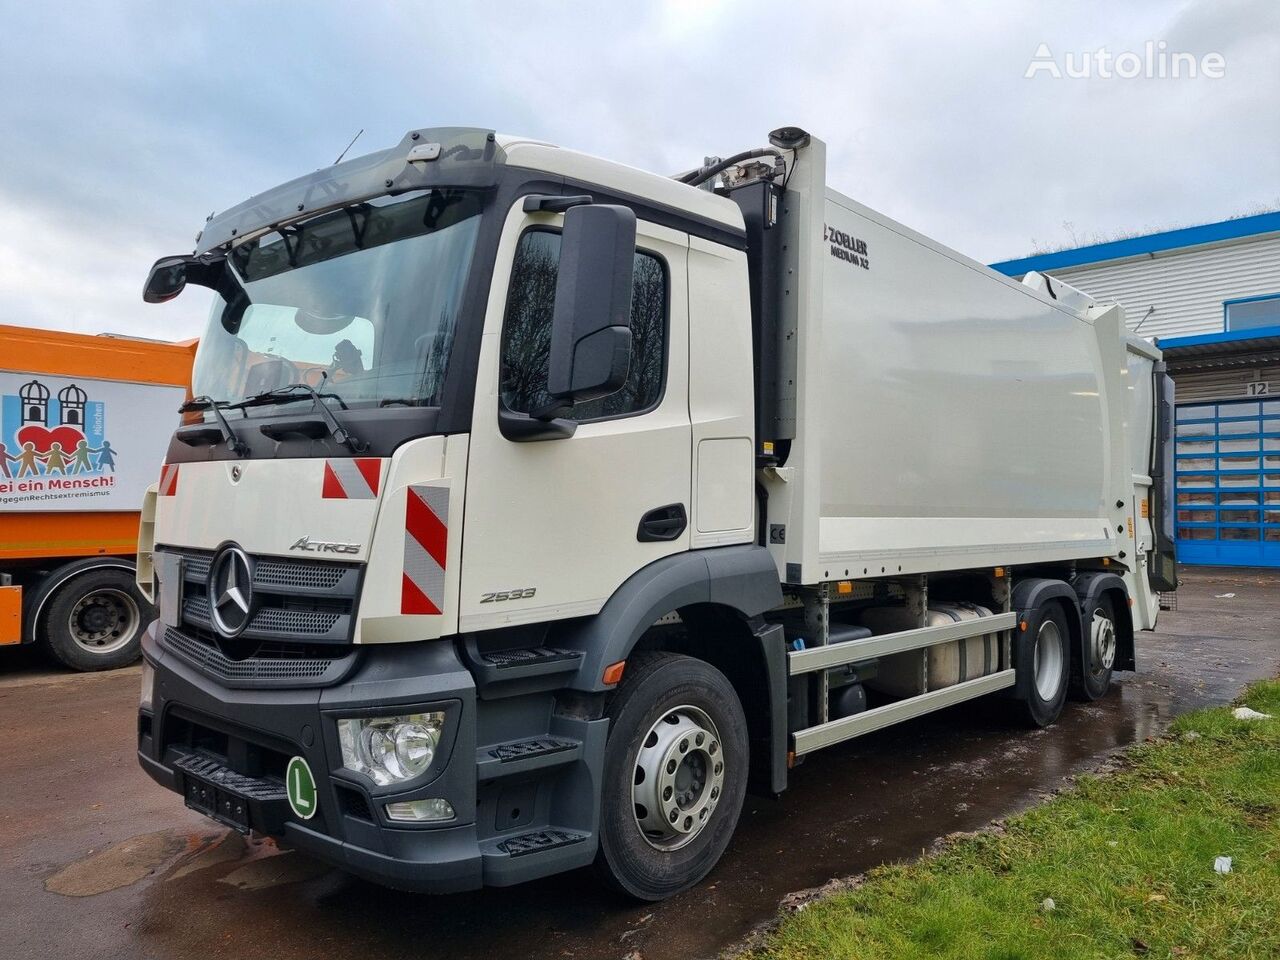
(1228, 482)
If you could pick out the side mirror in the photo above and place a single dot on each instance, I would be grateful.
(169, 276)
(167, 279)
(591, 324)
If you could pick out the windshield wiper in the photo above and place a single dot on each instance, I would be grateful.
(295, 391)
(202, 403)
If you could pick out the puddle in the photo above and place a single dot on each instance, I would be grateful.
(119, 865)
(283, 867)
(214, 851)
(264, 865)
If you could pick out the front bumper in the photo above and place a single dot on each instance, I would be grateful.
(254, 732)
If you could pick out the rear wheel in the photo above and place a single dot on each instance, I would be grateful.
(1091, 678)
(675, 775)
(1047, 666)
(95, 620)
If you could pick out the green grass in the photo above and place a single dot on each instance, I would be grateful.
(1127, 858)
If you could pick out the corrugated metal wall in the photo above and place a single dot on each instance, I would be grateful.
(1187, 288)
(1227, 384)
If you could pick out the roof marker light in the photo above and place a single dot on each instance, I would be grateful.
(424, 152)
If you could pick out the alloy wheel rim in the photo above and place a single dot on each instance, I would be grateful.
(1102, 636)
(678, 778)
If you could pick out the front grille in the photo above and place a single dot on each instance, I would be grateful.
(196, 565)
(294, 573)
(196, 608)
(272, 664)
(308, 623)
(296, 621)
(309, 601)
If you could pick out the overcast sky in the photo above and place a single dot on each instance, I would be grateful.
(125, 124)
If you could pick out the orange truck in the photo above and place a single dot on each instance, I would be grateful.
(84, 425)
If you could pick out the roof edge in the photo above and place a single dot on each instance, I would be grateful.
(1213, 339)
(1150, 243)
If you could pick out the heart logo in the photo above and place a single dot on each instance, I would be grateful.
(43, 438)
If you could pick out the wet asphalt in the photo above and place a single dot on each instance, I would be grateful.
(96, 861)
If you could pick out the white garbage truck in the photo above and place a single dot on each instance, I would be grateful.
(530, 509)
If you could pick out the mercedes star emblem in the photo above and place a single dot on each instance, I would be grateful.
(230, 591)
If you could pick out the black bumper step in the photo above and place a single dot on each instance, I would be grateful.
(223, 777)
(233, 799)
(530, 656)
(538, 841)
(536, 747)
(525, 756)
(518, 670)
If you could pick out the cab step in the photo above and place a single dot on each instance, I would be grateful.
(523, 756)
(538, 841)
(518, 670)
(530, 657)
(540, 807)
(538, 852)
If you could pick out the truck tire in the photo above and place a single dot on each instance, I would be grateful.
(675, 775)
(1047, 664)
(95, 620)
(1091, 678)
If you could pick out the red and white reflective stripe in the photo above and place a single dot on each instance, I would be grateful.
(426, 542)
(168, 479)
(351, 479)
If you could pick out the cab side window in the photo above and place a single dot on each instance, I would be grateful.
(526, 333)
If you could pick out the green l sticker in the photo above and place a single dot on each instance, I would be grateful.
(300, 786)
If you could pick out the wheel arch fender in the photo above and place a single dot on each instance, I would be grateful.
(743, 579)
(715, 589)
(1089, 587)
(1029, 595)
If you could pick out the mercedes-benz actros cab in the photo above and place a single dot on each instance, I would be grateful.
(530, 509)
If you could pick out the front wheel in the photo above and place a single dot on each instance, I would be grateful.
(95, 620)
(675, 775)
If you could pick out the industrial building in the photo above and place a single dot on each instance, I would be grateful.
(1210, 297)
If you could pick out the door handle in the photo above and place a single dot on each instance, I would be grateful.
(662, 523)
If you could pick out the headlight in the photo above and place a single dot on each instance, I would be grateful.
(390, 749)
(147, 696)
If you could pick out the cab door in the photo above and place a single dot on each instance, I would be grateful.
(553, 527)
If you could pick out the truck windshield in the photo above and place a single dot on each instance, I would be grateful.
(363, 300)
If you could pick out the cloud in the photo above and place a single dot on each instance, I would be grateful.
(127, 124)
